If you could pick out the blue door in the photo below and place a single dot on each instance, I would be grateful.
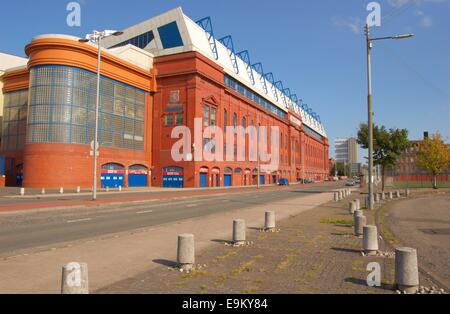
(112, 180)
(173, 177)
(137, 180)
(262, 179)
(203, 178)
(137, 176)
(227, 180)
(274, 178)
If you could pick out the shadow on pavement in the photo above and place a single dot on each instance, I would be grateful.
(361, 282)
(165, 262)
(345, 250)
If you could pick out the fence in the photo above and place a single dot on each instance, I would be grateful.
(417, 181)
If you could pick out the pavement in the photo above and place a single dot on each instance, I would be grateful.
(314, 251)
(423, 222)
(123, 253)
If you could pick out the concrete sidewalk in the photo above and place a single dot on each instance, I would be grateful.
(122, 256)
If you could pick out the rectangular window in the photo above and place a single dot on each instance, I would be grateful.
(169, 120)
(206, 116)
(179, 119)
(170, 35)
(213, 116)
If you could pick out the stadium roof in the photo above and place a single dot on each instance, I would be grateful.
(173, 32)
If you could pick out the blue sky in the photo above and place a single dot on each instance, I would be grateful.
(316, 48)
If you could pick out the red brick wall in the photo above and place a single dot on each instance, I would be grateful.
(200, 81)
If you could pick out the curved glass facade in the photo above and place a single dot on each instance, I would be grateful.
(62, 109)
(14, 120)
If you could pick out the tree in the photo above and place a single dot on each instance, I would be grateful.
(434, 156)
(342, 169)
(387, 145)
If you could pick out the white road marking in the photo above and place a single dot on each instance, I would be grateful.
(144, 212)
(78, 220)
(192, 205)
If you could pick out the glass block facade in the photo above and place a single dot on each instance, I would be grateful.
(62, 109)
(14, 120)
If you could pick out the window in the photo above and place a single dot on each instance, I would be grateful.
(169, 120)
(205, 116)
(234, 122)
(62, 109)
(14, 120)
(170, 35)
(179, 119)
(213, 116)
(140, 41)
(225, 120)
(248, 93)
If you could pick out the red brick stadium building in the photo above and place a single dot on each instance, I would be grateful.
(160, 74)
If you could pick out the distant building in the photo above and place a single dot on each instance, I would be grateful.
(407, 162)
(346, 150)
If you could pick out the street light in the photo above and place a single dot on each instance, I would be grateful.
(96, 37)
(369, 45)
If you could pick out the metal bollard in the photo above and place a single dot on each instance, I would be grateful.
(22, 191)
(120, 188)
(336, 196)
(75, 279)
(383, 196)
(186, 251)
(406, 269)
(61, 190)
(377, 197)
(391, 195)
(360, 222)
(370, 239)
(239, 231)
(357, 204)
(43, 191)
(397, 193)
(78, 189)
(269, 220)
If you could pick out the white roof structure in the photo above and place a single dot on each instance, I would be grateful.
(8, 62)
(199, 37)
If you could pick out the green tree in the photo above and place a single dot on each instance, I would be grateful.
(387, 145)
(434, 156)
(342, 169)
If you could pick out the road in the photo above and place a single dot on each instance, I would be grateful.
(424, 223)
(25, 230)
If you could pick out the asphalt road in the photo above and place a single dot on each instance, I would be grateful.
(26, 230)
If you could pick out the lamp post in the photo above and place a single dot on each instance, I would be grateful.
(369, 45)
(96, 37)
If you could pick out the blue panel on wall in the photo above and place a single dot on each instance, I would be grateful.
(137, 180)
